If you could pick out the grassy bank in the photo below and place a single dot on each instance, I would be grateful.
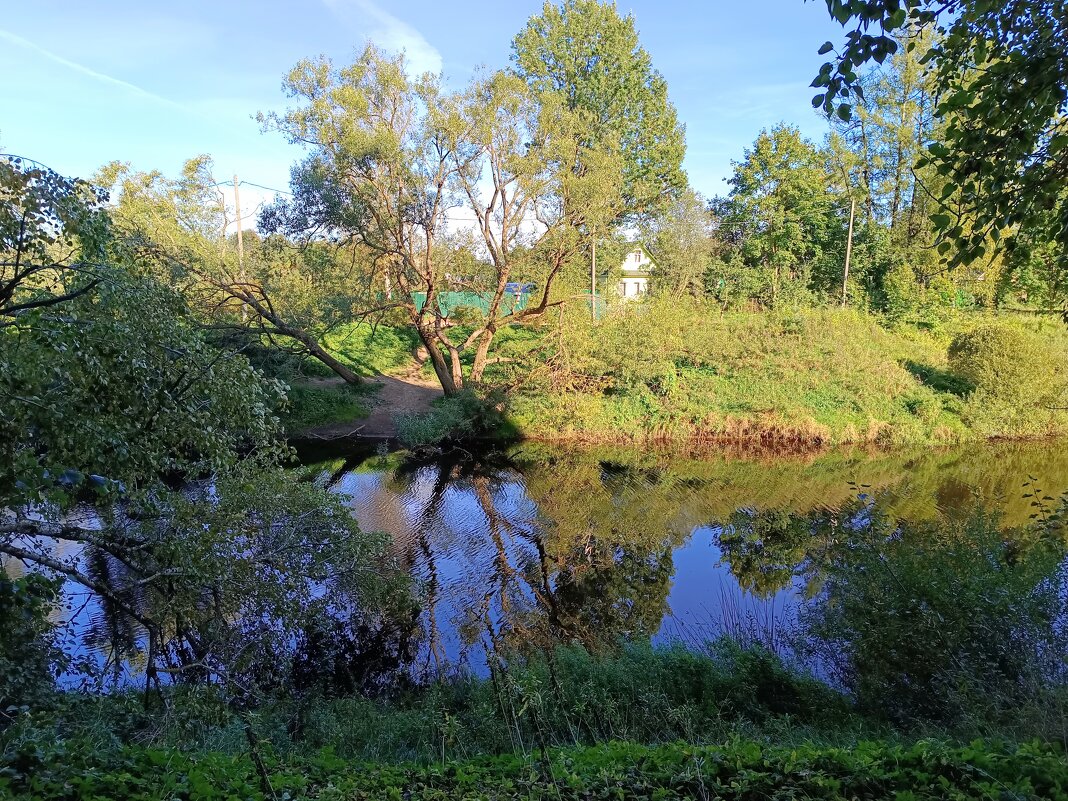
(679, 371)
(310, 405)
(813, 377)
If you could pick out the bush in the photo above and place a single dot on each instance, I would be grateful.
(464, 417)
(28, 653)
(952, 625)
(1008, 365)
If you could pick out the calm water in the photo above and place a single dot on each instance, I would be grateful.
(547, 544)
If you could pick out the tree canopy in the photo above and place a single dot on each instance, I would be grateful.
(1002, 75)
(590, 55)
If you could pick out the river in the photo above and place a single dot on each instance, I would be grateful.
(547, 544)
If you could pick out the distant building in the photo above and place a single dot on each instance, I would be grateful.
(638, 266)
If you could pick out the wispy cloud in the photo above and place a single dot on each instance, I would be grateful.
(388, 31)
(91, 73)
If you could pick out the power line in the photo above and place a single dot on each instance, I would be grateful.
(258, 186)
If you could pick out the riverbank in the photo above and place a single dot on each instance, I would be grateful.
(803, 379)
(677, 374)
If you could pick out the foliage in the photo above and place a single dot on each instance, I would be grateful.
(948, 625)
(351, 698)
(584, 51)
(1002, 80)
(112, 394)
(681, 237)
(312, 405)
(782, 216)
(28, 652)
(265, 291)
(383, 144)
(1019, 380)
(738, 769)
(141, 462)
(53, 234)
(463, 417)
(806, 376)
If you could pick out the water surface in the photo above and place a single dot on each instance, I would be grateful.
(546, 545)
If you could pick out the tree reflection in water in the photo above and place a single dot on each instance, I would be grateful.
(518, 553)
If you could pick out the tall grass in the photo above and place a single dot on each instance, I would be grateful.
(812, 376)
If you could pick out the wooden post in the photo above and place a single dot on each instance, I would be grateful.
(240, 244)
(849, 251)
(593, 281)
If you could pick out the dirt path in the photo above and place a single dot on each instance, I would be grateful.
(405, 393)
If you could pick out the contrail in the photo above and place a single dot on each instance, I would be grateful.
(99, 76)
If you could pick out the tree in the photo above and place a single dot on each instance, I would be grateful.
(681, 236)
(781, 209)
(290, 297)
(588, 54)
(392, 161)
(52, 233)
(1001, 71)
(141, 462)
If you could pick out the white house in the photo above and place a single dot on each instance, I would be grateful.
(638, 266)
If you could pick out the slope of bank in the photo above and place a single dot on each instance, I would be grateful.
(811, 377)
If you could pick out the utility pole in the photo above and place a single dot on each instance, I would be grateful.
(240, 247)
(849, 250)
(593, 281)
(240, 244)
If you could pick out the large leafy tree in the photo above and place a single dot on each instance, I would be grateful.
(1001, 71)
(591, 56)
(393, 160)
(681, 237)
(111, 399)
(781, 211)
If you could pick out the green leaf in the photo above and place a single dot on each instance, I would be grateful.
(827, 47)
(845, 112)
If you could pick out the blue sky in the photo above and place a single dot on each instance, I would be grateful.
(156, 83)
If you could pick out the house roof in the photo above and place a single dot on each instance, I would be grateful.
(645, 269)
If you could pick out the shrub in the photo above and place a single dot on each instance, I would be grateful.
(947, 624)
(1008, 364)
(28, 653)
(453, 419)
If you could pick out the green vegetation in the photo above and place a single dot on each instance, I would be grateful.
(676, 371)
(181, 616)
(314, 405)
(463, 417)
(1002, 83)
(740, 769)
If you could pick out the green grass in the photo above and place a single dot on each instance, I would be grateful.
(311, 406)
(373, 350)
(821, 376)
(679, 371)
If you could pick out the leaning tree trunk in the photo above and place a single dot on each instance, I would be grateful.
(481, 356)
(266, 313)
(317, 351)
(441, 368)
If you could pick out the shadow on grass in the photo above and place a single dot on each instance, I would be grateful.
(939, 380)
